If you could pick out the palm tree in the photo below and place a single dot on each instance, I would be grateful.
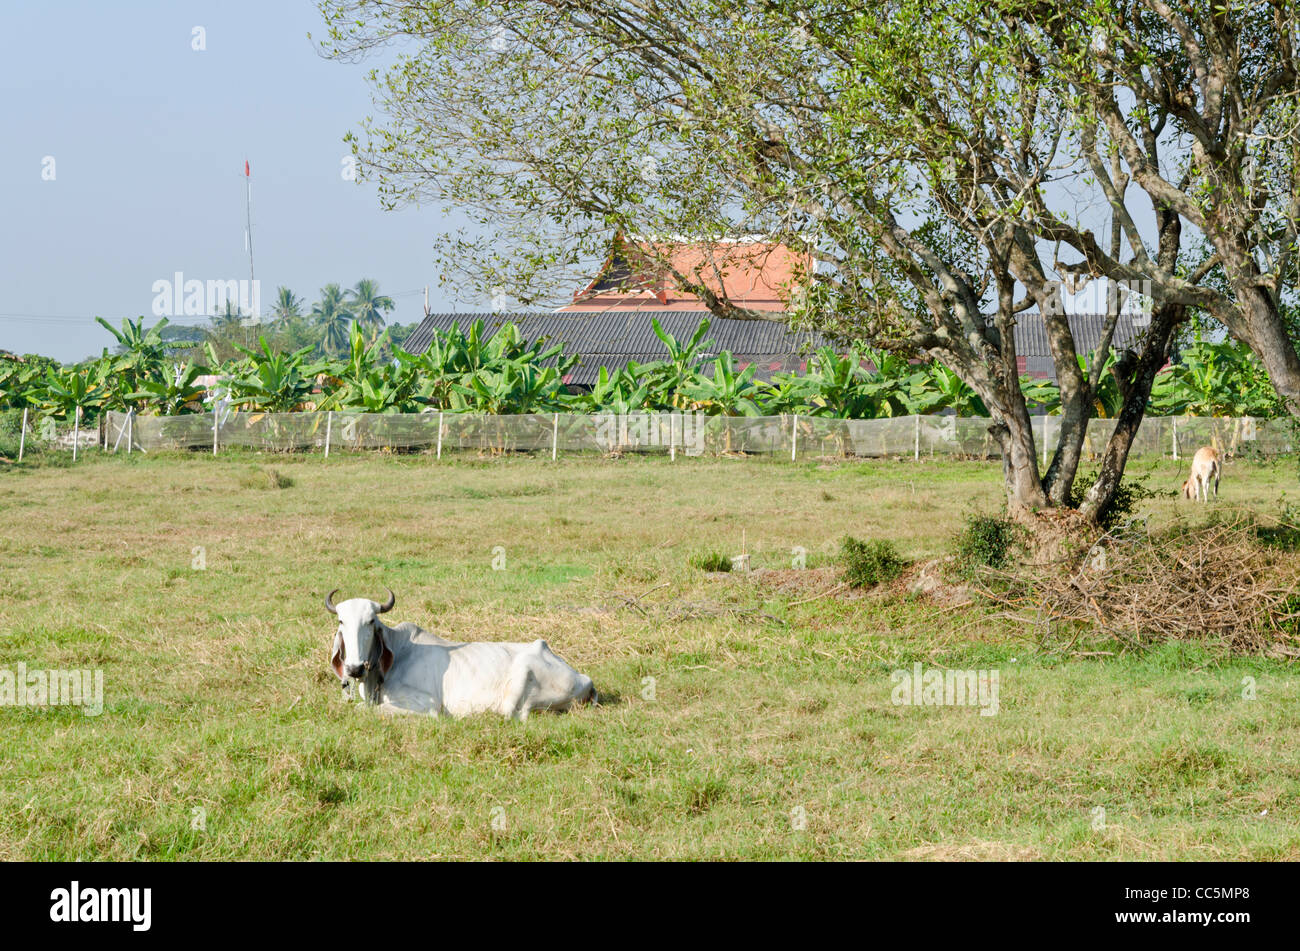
(288, 305)
(334, 316)
(369, 306)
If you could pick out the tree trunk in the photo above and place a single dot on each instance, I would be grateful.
(1010, 425)
(1019, 465)
(1257, 321)
(1076, 409)
(1164, 318)
(1269, 339)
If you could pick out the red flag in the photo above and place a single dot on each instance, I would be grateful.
(247, 174)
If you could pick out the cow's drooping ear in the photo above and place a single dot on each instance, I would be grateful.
(336, 655)
(385, 655)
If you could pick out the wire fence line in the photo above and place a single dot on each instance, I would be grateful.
(694, 434)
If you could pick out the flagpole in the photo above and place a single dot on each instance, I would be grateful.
(248, 212)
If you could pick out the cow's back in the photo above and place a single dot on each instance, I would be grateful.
(478, 676)
(464, 678)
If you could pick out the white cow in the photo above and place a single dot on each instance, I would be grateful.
(404, 669)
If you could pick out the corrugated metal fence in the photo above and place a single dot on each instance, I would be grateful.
(670, 433)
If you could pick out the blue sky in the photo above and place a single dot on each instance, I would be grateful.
(149, 136)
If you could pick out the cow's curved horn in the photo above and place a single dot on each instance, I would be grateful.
(388, 605)
(329, 602)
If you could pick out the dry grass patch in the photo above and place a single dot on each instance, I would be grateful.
(975, 851)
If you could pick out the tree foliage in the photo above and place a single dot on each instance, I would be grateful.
(943, 167)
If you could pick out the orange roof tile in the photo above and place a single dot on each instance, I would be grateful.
(640, 273)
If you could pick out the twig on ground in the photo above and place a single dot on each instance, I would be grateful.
(816, 597)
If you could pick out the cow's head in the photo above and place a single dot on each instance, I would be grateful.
(359, 643)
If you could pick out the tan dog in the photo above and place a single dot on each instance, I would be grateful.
(1206, 465)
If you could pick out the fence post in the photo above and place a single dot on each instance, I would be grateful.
(672, 437)
(329, 427)
(794, 438)
(216, 423)
(439, 434)
(916, 452)
(121, 430)
(130, 429)
(1046, 419)
(555, 436)
(22, 438)
(76, 432)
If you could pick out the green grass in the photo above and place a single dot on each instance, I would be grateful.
(742, 718)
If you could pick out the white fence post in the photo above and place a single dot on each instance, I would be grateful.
(916, 451)
(1174, 427)
(672, 437)
(439, 434)
(555, 436)
(121, 430)
(216, 424)
(794, 438)
(76, 432)
(329, 426)
(22, 437)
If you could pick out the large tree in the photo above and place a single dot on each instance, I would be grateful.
(932, 159)
(1198, 102)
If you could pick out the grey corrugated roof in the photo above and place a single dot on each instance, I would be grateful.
(612, 338)
(1031, 333)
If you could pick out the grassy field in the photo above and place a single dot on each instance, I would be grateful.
(737, 722)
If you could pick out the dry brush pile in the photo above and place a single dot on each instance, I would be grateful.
(1230, 583)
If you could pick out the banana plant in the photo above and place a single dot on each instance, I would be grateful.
(66, 390)
(1107, 399)
(272, 382)
(19, 384)
(787, 393)
(171, 395)
(619, 392)
(518, 386)
(1040, 392)
(367, 380)
(835, 385)
(433, 373)
(726, 392)
(888, 387)
(376, 393)
(143, 355)
(940, 388)
(666, 380)
(1214, 379)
